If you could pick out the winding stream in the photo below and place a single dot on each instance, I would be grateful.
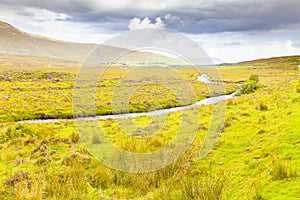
(207, 101)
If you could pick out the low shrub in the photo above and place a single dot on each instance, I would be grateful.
(250, 85)
(254, 77)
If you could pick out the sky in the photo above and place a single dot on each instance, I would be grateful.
(228, 30)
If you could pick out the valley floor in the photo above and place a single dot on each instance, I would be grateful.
(257, 156)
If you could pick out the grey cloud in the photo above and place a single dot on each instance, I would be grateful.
(234, 43)
(185, 16)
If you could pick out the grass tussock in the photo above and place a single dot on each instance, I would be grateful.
(255, 191)
(298, 87)
(283, 169)
(209, 187)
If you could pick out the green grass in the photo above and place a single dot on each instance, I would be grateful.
(256, 157)
(35, 94)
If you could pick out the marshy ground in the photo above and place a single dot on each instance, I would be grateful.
(257, 155)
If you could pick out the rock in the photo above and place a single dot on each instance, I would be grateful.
(41, 161)
(75, 157)
(202, 128)
(52, 116)
(66, 141)
(49, 76)
(31, 140)
(42, 147)
(16, 178)
(52, 152)
(17, 160)
(43, 116)
(5, 78)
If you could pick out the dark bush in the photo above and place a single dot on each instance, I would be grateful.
(250, 85)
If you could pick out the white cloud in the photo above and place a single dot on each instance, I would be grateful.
(252, 46)
(53, 25)
(138, 23)
(171, 18)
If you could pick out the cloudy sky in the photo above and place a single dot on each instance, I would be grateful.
(228, 30)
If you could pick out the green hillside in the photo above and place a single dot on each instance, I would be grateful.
(285, 62)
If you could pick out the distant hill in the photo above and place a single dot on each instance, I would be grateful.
(224, 64)
(16, 42)
(13, 41)
(285, 62)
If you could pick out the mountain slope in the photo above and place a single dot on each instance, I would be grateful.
(16, 42)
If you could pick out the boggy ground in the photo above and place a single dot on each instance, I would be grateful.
(46, 93)
(257, 155)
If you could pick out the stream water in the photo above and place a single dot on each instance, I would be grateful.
(207, 101)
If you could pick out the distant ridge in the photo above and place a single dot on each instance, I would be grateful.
(16, 42)
(225, 64)
(285, 62)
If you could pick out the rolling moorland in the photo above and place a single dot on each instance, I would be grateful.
(257, 155)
